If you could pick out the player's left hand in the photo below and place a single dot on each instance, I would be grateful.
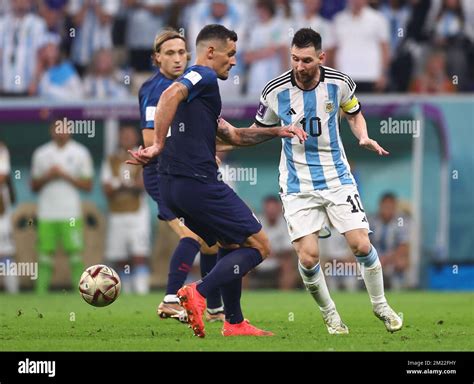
(292, 131)
(372, 145)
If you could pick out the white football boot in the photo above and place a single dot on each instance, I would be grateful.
(392, 321)
(333, 322)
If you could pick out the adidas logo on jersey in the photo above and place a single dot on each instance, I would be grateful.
(291, 112)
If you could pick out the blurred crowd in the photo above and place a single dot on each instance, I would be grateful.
(72, 49)
(63, 168)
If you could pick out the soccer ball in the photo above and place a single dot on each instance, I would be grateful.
(99, 285)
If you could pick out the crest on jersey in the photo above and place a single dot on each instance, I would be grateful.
(329, 106)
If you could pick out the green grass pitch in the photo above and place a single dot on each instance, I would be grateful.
(64, 322)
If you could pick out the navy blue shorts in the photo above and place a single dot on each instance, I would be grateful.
(212, 211)
(151, 181)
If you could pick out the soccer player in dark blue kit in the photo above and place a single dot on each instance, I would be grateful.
(171, 56)
(191, 186)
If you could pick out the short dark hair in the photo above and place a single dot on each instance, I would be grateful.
(305, 37)
(388, 196)
(215, 32)
(271, 199)
(269, 5)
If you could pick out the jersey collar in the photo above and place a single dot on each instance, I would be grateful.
(321, 79)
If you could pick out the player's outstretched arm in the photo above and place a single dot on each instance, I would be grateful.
(223, 146)
(242, 137)
(164, 115)
(359, 129)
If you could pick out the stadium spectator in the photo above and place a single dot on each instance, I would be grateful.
(451, 23)
(409, 53)
(21, 32)
(60, 169)
(92, 20)
(230, 15)
(332, 8)
(128, 238)
(59, 79)
(434, 78)
(4, 7)
(144, 19)
(391, 236)
(311, 18)
(397, 13)
(280, 269)
(54, 14)
(455, 36)
(362, 46)
(7, 245)
(410, 30)
(266, 51)
(180, 11)
(288, 9)
(104, 80)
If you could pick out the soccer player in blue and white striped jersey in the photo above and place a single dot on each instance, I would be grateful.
(316, 184)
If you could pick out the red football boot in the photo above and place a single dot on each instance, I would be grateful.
(194, 304)
(243, 329)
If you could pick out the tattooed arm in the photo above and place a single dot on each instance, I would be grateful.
(242, 137)
(223, 146)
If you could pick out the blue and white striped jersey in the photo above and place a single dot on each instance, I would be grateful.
(20, 39)
(92, 34)
(319, 163)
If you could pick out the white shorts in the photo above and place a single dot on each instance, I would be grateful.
(128, 234)
(309, 212)
(7, 246)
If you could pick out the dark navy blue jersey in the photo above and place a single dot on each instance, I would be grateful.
(148, 97)
(191, 149)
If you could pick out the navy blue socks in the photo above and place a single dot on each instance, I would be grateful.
(181, 263)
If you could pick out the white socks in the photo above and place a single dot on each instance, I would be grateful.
(141, 280)
(371, 270)
(372, 274)
(127, 283)
(313, 279)
(11, 284)
(171, 299)
(137, 282)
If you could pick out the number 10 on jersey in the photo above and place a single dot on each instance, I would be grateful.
(312, 126)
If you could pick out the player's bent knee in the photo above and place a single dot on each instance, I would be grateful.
(361, 247)
(195, 238)
(264, 248)
(260, 242)
(359, 242)
(308, 259)
(206, 249)
(264, 251)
